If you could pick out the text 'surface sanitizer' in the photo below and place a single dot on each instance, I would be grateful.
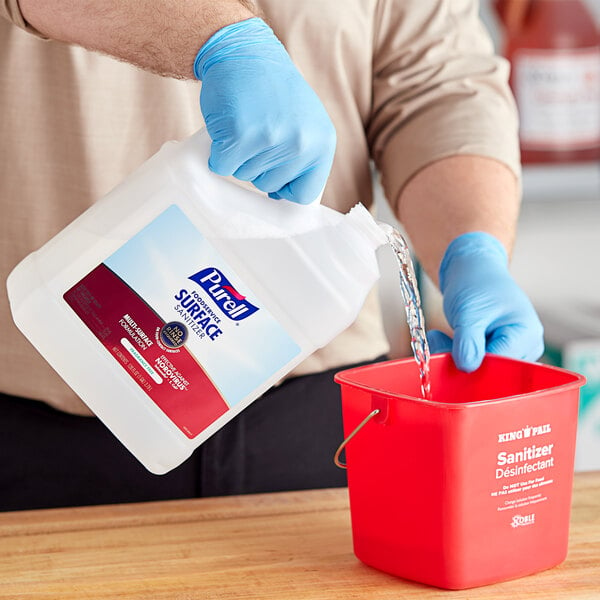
(180, 297)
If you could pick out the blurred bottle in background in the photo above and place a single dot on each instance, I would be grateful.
(554, 49)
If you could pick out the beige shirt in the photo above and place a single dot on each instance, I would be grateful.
(406, 83)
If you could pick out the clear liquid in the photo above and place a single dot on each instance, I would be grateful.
(412, 305)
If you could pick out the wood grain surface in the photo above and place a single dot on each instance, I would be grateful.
(284, 546)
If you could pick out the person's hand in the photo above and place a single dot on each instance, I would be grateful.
(486, 309)
(266, 123)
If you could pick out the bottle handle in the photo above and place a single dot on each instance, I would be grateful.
(204, 139)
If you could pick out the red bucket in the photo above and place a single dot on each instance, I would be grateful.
(470, 488)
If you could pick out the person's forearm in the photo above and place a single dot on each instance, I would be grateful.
(162, 36)
(457, 195)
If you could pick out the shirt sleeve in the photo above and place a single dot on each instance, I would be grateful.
(438, 90)
(10, 10)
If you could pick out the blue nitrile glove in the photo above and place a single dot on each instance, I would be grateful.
(484, 306)
(266, 123)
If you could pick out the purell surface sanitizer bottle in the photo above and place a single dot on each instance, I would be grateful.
(180, 297)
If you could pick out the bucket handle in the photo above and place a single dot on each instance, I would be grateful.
(336, 458)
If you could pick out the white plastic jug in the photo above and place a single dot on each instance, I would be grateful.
(180, 297)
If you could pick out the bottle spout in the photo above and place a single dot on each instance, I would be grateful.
(362, 220)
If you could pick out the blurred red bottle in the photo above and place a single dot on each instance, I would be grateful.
(554, 49)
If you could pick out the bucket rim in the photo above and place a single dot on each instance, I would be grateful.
(578, 380)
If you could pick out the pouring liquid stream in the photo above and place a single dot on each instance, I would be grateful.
(412, 305)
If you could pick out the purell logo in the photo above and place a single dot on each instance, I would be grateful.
(525, 432)
(226, 297)
(522, 520)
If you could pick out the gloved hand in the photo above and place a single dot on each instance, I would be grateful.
(484, 306)
(266, 123)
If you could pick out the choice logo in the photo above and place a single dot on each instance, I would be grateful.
(522, 520)
(231, 303)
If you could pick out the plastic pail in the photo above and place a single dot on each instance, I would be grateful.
(470, 488)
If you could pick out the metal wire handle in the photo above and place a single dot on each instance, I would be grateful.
(336, 458)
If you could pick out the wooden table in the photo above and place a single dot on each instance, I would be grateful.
(293, 545)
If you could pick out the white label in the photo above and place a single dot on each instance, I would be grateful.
(176, 271)
(176, 316)
(558, 95)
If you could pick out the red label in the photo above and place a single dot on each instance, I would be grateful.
(148, 349)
